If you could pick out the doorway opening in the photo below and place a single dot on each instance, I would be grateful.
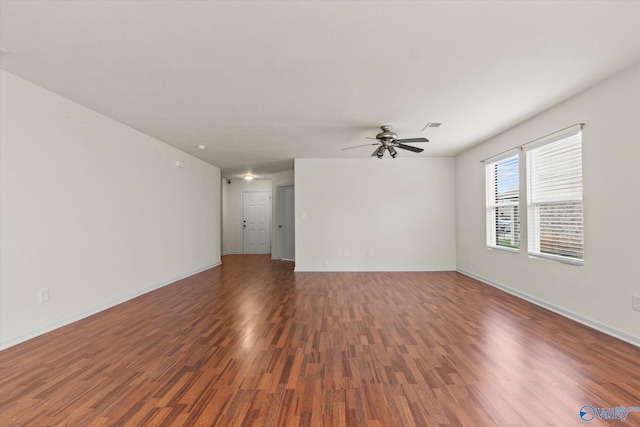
(285, 223)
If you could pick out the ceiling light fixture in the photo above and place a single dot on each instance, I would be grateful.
(248, 177)
(202, 147)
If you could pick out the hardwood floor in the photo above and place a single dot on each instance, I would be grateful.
(250, 343)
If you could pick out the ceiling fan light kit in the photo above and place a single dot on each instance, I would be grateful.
(388, 140)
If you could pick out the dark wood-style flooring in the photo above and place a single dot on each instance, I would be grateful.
(250, 343)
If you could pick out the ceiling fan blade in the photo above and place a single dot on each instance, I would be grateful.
(410, 148)
(413, 140)
(363, 145)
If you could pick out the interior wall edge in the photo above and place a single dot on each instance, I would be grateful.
(95, 310)
(593, 324)
(373, 269)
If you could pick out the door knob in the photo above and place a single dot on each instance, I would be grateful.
(279, 226)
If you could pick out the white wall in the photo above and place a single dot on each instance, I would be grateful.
(93, 210)
(277, 180)
(600, 292)
(232, 211)
(389, 214)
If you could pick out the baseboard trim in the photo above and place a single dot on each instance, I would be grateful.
(561, 311)
(84, 314)
(371, 269)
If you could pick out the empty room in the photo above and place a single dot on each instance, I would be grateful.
(319, 213)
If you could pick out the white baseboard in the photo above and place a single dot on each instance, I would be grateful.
(371, 269)
(561, 311)
(79, 316)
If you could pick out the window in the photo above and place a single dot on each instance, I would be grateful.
(503, 219)
(554, 198)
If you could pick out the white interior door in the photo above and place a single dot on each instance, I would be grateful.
(285, 215)
(256, 222)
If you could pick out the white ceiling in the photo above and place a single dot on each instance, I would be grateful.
(262, 83)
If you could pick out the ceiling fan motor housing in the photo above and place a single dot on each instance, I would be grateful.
(387, 135)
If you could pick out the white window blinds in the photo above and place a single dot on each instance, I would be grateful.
(503, 219)
(554, 198)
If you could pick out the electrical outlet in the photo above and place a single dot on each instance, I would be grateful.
(346, 253)
(43, 295)
(636, 302)
(324, 264)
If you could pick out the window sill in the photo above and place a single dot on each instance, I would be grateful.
(504, 249)
(562, 260)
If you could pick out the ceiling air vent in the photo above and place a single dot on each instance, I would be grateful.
(431, 125)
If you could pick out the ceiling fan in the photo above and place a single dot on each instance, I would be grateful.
(388, 140)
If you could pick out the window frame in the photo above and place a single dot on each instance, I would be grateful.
(563, 142)
(492, 205)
